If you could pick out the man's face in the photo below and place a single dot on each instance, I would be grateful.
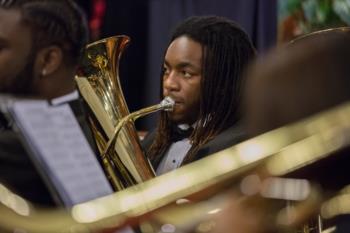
(182, 77)
(16, 65)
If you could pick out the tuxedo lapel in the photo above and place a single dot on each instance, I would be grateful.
(229, 137)
(146, 143)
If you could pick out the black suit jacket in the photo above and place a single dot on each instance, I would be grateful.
(225, 139)
(18, 172)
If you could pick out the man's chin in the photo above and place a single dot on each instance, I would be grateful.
(177, 119)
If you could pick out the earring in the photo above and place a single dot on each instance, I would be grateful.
(43, 72)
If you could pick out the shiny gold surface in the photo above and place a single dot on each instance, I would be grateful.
(338, 205)
(167, 104)
(99, 84)
(275, 191)
(314, 138)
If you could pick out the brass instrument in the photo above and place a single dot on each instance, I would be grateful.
(290, 147)
(98, 83)
(166, 104)
(279, 152)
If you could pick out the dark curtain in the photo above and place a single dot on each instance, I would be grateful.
(257, 17)
(85, 5)
(129, 18)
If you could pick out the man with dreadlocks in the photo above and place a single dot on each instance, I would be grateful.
(40, 45)
(202, 73)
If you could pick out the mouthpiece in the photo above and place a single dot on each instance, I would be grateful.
(168, 104)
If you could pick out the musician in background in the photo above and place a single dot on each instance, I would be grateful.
(290, 83)
(307, 76)
(202, 73)
(40, 45)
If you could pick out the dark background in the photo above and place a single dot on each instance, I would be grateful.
(149, 24)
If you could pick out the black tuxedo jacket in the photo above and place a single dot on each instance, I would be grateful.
(17, 171)
(225, 139)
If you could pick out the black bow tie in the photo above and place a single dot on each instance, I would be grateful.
(178, 134)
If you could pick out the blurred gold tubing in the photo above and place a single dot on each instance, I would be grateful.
(281, 151)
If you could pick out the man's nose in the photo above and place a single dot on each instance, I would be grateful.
(171, 82)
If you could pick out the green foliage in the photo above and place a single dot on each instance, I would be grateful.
(316, 14)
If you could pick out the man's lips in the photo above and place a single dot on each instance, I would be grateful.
(177, 100)
(177, 105)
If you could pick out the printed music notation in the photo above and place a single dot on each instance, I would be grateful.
(60, 150)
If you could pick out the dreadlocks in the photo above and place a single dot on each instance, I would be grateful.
(53, 22)
(226, 50)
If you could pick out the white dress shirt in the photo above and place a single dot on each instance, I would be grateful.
(175, 154)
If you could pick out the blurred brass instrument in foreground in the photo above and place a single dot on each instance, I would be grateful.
(280, 152)
(98, 83)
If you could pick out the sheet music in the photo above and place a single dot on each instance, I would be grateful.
(60, 148)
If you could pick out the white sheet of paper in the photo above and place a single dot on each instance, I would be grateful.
(60, 148)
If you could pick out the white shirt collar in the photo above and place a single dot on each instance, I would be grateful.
(65, 98)
(186, 126)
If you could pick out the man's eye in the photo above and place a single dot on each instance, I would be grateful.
(165, 71)
(186, 74)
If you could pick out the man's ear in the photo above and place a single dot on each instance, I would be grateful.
(48, 60)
